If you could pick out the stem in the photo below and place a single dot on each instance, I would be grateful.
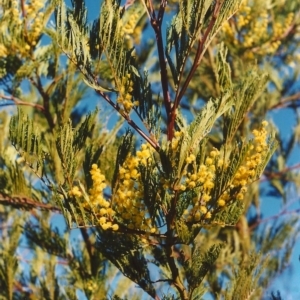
(153, 143)
(46, 101)
(93, 78)
(199, 55)
(26, 202)
(90, 250)
(156, 25)
(286, 101)
(176, 280)
(18, 101)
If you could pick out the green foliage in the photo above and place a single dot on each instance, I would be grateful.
(123, 251)
(26, 140)
(201, 264)
(9, 261)
(172, 203)
(229, 215)
(69, 142)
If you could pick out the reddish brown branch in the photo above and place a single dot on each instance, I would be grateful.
(46, 101)
(156, 25)
(199, 54)
(125, 115)
(18, 101)
(278, 175)
(90, 249)
(285, 101)
(153, 143)
(23, 8)
(26, 202)
(282, 213)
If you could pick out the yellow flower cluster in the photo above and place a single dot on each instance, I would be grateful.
(279, 28)
(203, 180)
(36, 28)
(247, 171)
(28, 25)
(90, 284)
(125, 94)
(33, 7)
(105, 212)
(75, 192)
(35, 17)
(132, 24)
(3, 51)
(15, 12)
(128, 28)
(256, 31)
(127, 200)
(176, 139)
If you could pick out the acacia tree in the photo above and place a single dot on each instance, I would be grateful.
(169, 195)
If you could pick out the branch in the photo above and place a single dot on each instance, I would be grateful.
(176, 280)
(18, 101)
(131, 123)
(199, 54)
(282, 213)
(152, 142)
(156, 25)
(26, 202)
(46, 101)
(174, 270)
(90, 249)
(285, 101)
(274, 175)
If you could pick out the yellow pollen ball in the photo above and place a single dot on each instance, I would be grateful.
(192, 184)
(102, 220)
(197, 216)
(221, 202)
(213, 153)
(193, 177)
(208, 215)
(203, 209)
(105, 226)
(182, 187)
(153, 230)
(103, 211)
(177, 133)
(115, 227)
(208, 161)
(240, 196)
(206, 197)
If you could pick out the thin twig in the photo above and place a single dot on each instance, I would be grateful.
(46, 101)
(282, 213)
(176, 280)
(18, 101)
(125, 115)
(199, 54)
(130, 122)
(285, 101)
(275, 175)
(17, 200)
(156, 25)
(90, 249)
